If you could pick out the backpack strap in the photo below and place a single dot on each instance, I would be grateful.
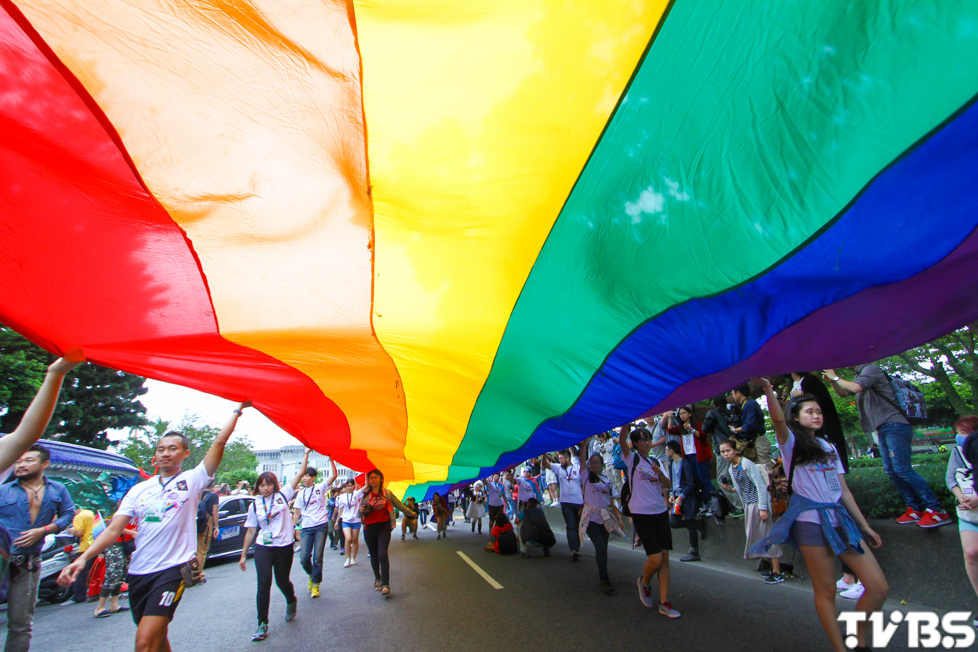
(791, 473)
(899, 409)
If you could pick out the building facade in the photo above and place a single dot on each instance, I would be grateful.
(284, 462)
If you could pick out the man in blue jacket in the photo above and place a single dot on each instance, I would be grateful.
(752, 426)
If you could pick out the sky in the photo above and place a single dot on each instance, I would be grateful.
(173, 402)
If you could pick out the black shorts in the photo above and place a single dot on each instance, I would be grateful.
(653, 531)
(494, 511)
(155, 594)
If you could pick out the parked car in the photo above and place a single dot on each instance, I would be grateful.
(232, 511)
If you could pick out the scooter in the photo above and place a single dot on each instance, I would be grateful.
(55, 556)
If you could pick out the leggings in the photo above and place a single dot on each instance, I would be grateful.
(115, 571)
(277, 559)
(378, 537)
(599, 537)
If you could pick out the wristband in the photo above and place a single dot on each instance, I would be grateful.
(835, 379)
(48, 528)
(237, 412)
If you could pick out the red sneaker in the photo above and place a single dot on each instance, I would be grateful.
(934, 519)
(909, 516)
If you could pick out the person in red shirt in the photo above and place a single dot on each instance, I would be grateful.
(502, 536)
(377, 514)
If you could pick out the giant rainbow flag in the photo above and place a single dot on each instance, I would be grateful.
(439, 237)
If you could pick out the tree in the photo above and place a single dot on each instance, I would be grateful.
(941, 359)
(93, 399)
(140, 445)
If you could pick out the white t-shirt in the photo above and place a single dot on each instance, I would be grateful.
(607, 451)
(570, 483)
(818, 482)
(349, 506)
(688, 440)
(311, 502)
(598, 495)
(165, 510)
(273, 518)
(526, 490)
(495, 500)
(645, 485)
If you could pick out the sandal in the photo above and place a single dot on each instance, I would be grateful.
(377, 585)
(386, 590)
(105, 613)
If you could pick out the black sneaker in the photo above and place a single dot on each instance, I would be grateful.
(402, 537)
(575, 556)
(609, 589)
(261, 633)
(692, 556)
(774, 578)
(290, 611)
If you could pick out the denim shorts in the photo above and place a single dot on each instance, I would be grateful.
(965, 526)
(810, 534)
(352, 526)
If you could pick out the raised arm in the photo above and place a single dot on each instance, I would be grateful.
(841, 386)
(213, 458)
(626, 448)
(332, 474)
(582, 454)
(774, 407)
(38, 414)
(294, 482)
(545, 461)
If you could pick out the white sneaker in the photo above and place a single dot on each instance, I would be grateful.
(855, 592)
(353, 562)
(346, 564)
(843, 585)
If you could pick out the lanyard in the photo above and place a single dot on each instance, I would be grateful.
(164, 486)
(268, 517)
(569, 473)
(311, 492)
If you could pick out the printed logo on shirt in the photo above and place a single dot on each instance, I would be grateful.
(182, 485)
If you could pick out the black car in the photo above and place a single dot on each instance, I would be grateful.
(232, 511)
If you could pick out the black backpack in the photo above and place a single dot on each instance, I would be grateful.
(508, 545)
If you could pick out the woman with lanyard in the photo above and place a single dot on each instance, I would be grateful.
(348, 513)
(377, 512)
(270, 517)
(599, 516)
(647, 482)
(823, 521)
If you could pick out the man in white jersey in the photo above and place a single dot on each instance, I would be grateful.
(571, 498)
(311, 507)
(165, 507)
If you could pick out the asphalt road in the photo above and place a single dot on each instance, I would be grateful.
(439, 602)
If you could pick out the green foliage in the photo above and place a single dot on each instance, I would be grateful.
(234, 476)
(140, 445)
(93, 399)
(878, 498)
(951, 364)
(918, 458)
